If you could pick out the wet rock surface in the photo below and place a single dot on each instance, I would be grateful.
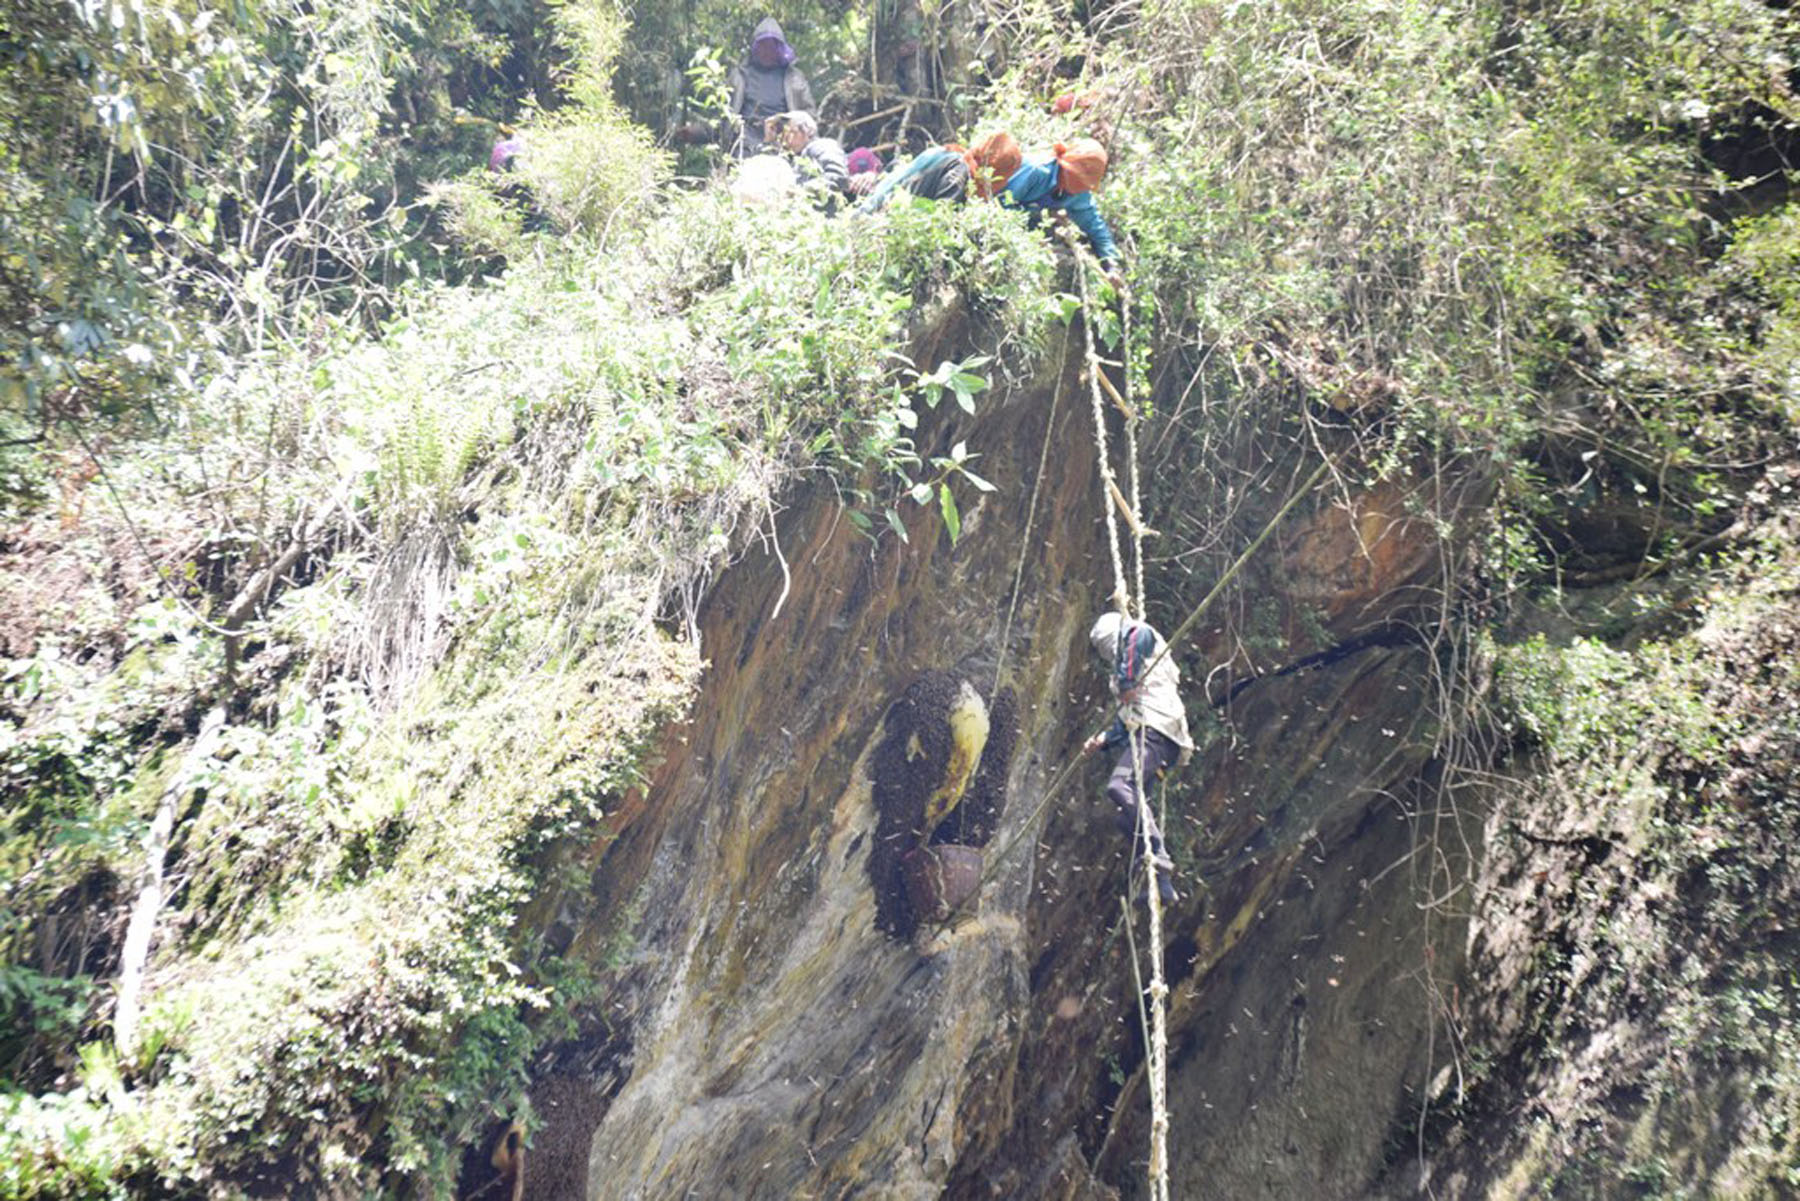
(784, 1045)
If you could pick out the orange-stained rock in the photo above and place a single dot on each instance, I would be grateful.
(1363, 559)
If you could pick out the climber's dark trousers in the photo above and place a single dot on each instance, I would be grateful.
(1122, 790)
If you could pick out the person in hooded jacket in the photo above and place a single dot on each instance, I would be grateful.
(1150, 731)
(864, 166)
(766, 83)
(946, 172)
(1062, 179)
(503, 157)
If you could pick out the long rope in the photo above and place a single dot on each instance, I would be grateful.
(1159, 990)
(1131, 461)
(1012, 605)
(1156, 1027)
(1156, 1035)
(1159, 993)
(1156, 1059)
(1121, 597)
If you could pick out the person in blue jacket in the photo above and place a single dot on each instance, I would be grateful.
(1062, 179)
(950, 172)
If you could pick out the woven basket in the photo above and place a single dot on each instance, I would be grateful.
(940, 879)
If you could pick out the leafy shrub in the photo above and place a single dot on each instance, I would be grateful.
(593, 175)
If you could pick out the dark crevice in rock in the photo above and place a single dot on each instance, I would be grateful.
(1381, 637)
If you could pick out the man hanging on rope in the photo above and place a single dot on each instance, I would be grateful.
(1151, 731)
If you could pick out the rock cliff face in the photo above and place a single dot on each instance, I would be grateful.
(759, 1034)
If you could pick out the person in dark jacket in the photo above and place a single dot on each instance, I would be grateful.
(820, 165)
(1150, 732)
(948, 172)
(1062, 179)
(766, 83)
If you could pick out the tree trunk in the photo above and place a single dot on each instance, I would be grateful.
(138, 934)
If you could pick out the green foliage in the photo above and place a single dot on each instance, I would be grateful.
(485, 218)
(399, 985)
(591, 33)
(80, 755)
(1654, 814)
(958, 379)
(86, 725)
(1585, 701)
(188, 178)
(1763, 265)
(586, 169)
(37, 1006)
(708, 82)
(64, 1145)
(132, 105)
(523, 474)
(1566, 696)
(1467, 231)
(1370, 202)
(594, 174)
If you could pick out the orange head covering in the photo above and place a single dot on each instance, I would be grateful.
(992, 161)
(1080, 165)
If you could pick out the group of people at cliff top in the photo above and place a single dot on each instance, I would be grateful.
(772, 112)
(772, 107)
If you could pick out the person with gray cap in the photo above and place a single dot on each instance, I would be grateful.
(1150, 732)
(819, 163)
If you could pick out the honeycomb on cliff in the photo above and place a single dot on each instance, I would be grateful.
(939, 778)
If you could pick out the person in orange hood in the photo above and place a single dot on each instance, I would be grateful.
(1062, 179)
